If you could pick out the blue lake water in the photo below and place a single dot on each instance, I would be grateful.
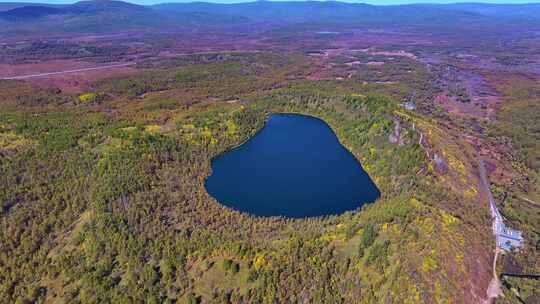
(294, 167)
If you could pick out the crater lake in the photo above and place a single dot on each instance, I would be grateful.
(294, 167)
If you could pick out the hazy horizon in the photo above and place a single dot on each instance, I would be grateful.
(373, 2)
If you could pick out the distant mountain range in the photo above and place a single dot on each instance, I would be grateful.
(529, 11)
(106, 15)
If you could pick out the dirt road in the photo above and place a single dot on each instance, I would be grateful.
(67, 71)
(494, 289)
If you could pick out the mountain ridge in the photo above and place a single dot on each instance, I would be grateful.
(87, 15)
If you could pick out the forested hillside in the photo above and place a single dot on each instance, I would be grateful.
(104, 201)
(111, 114)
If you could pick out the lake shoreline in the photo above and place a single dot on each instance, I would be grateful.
(340, 185)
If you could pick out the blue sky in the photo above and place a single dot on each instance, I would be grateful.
(380, 2)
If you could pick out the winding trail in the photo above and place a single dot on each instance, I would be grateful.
(67, 71)
(421, 144)
(421, 141)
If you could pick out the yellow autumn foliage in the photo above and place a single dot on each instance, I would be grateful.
(87, 97)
